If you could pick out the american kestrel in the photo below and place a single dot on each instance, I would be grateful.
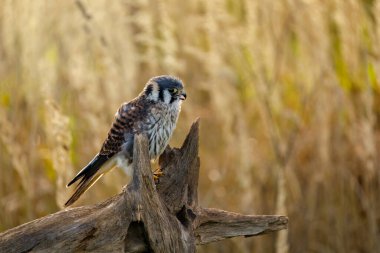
(154, 112)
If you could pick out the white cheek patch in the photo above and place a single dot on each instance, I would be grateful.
(167, 97)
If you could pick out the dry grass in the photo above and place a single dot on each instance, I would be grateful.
(288, 93)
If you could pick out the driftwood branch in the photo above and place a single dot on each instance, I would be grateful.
(145, 217)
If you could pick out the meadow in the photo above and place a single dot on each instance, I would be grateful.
(288, 93)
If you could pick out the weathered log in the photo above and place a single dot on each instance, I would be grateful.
(145, 217)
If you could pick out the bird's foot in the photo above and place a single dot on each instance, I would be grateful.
(157, 174)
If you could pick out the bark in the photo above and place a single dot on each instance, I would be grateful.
(145, 217)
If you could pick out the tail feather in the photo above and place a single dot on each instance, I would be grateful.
(89, 175)
(90, 169)
(83, 186)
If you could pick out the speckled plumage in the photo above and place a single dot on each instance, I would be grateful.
(154, 112)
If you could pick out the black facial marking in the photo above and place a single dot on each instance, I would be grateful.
(149, 89)
(161, 95)
(173, 98)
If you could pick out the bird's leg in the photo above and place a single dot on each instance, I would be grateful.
(157, 174)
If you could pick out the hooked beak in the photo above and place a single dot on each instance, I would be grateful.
(183, 96)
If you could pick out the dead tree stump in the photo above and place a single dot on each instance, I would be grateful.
(145, 217)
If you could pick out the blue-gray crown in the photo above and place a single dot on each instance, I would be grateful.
(168, 82)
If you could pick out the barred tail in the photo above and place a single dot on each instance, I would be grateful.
(89, 175)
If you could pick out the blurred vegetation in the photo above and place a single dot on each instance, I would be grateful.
(288, 93)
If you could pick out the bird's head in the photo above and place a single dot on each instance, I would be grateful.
(166, 89)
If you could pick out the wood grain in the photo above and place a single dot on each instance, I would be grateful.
(145, 217)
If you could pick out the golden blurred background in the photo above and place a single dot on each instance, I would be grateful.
(288, 93)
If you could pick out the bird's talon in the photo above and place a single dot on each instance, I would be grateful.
(157, 174)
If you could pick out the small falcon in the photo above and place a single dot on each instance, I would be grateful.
(154, 112)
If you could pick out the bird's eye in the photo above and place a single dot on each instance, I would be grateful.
(173, 91)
